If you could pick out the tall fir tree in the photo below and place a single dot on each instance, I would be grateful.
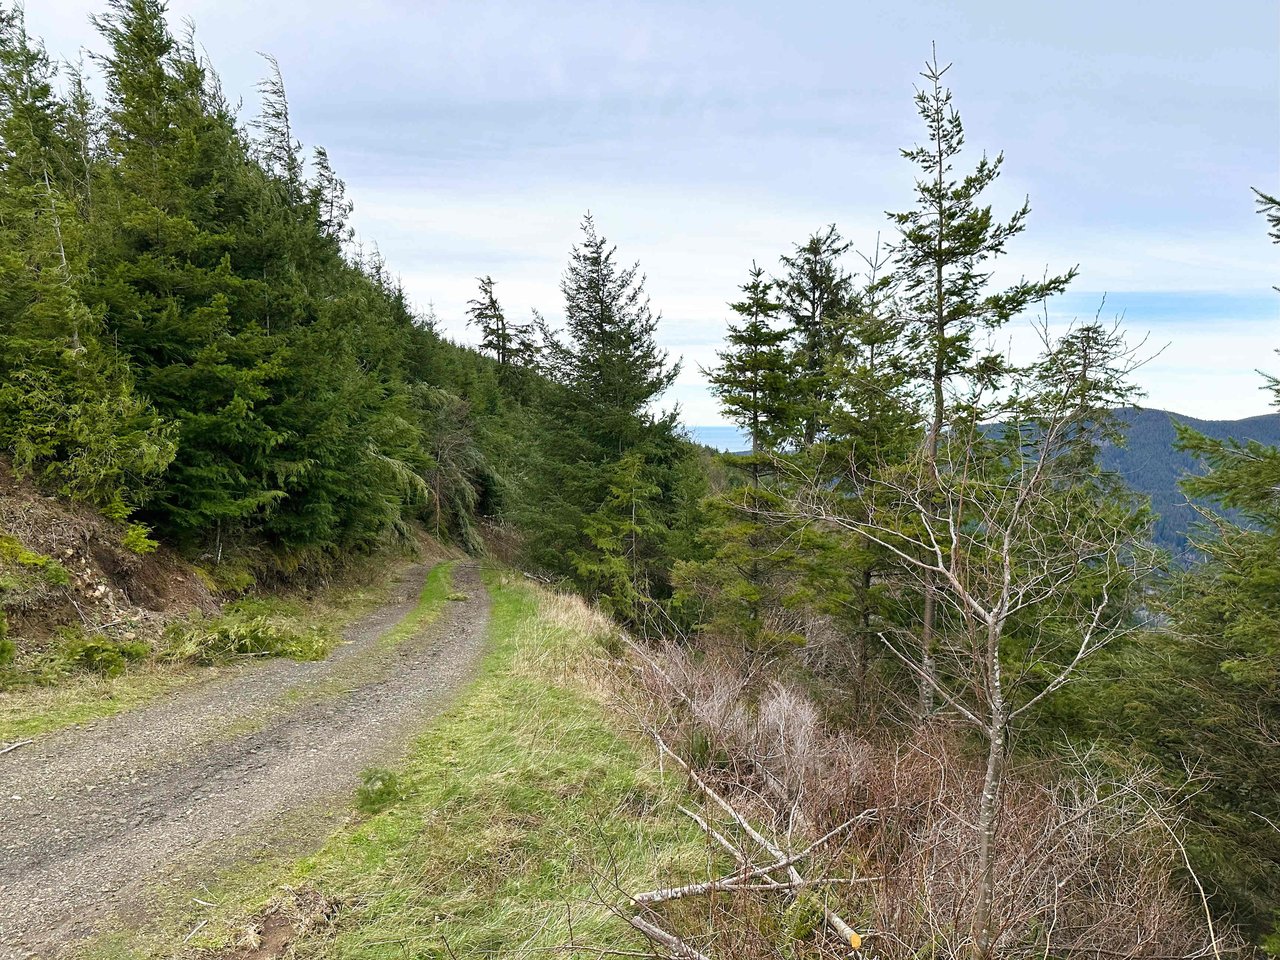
(943, 270)
(69, 413)
(607, 372)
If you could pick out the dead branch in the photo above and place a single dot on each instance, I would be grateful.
(673, 943)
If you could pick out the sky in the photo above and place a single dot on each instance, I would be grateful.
(704, 136)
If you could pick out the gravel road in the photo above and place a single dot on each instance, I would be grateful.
(92, 817)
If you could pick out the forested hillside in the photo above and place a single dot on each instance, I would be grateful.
(1152, 464)
(195, 342)
(951, 651)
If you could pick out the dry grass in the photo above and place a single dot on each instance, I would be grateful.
(1086, 865)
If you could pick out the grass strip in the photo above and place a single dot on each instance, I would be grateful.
(515, 812)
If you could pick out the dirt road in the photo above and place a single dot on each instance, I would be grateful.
(92, 817)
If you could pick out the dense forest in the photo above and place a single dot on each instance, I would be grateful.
(193, 341)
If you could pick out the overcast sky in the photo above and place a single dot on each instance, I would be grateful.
(474, 135)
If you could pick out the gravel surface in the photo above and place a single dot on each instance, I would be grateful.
(92, 817)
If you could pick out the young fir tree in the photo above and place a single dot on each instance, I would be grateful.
(731, 588)
(753, 381)
(943, 264)
(624, 542)
(815, 292)
(68, 410)
(874, 426)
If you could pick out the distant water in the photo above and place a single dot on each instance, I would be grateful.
(720, 437)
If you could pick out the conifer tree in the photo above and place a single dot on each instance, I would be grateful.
(68, 410)
(1224, 652)
(816, 293)
(281, 153)
(609, 362)
(606, 370)
(511, 344)
(942, 266)
(624, 541)
(752, 381)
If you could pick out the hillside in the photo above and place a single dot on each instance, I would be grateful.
(1153, 467)
(1148, 461)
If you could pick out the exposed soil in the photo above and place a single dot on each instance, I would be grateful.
(111, 590)
(91, 818)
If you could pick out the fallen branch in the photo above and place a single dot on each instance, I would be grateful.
(715, 835)
(834, 920)
(198, 927)
(746, 872)
(15, 746)
(673, 943)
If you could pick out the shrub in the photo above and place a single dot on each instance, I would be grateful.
(136, 540)
(95, 653)
(7, 647)
(236, 635)
(378, 790)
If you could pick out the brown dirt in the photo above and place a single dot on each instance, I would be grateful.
(112, 590)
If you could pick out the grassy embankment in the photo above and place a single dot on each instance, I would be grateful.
(308, 628)
(513, 812)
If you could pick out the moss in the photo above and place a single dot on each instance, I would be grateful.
(23, 571)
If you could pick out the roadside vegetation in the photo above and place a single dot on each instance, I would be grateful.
(225, 393)
(81, 677)
(506, 831)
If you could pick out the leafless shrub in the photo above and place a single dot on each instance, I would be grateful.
(1087, 865)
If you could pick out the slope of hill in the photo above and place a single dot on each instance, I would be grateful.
(1151, 465)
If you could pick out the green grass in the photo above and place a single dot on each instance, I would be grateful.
(512, 808)
(435, 592)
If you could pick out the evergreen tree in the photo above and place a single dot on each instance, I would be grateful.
(752, 381)
(942, 267)
(609, 364)
(606, 371)
(68, 410)
(511, 344)
(1221, 713)
(816, 293)
(624, 550)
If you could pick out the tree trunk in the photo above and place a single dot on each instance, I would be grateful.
(928, 668)
(984, 933)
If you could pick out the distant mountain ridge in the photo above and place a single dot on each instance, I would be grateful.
(1148, 462)
(1150, 465)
